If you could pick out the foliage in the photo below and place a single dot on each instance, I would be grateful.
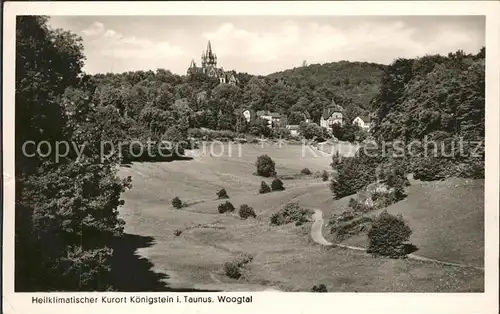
(324, 175)
(388, 235)
(348, 132)
(344, 229)
(445, 95)
(265, 166)
(59, 201)
(225, 207)
(222, 194)
(234, 268)
(177, 232)
(306, 171)
(312, 130)
(319, 288)
(353, 173)
(264, 188)
(430, 168)
(176, 202)
(277, 185)
(351, 84)
(246, 211)
(291, 212)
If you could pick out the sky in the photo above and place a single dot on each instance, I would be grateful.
(261, 45)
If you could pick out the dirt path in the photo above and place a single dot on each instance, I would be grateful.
(317, 228)
(317, 236)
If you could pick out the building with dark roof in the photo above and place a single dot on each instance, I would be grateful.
(209, 67)
(334, 114)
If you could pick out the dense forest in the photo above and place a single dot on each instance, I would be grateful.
(164, 106)
(60, 201)
(438, 101)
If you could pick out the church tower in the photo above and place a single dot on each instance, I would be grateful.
(210, 57)
(209, 67)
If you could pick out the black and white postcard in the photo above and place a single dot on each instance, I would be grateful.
(202, 157)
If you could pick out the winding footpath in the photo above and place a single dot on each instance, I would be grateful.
(317, 236)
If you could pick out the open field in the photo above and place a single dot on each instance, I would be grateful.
(285, 257)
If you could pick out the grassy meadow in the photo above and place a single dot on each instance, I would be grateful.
(446, 225)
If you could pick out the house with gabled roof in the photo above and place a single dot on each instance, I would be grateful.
(334, 114)
(363, 122)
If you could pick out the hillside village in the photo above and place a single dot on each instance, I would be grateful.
(233, 214)
(332, 113)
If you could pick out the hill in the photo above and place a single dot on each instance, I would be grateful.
(285, 258)
(356, 82)
(447, 219)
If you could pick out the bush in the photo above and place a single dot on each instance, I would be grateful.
(346, 229)
(353, 173)
(388, 235)
(246, 211)
(319, 288)
(277, 185)
(306, 171)
(265, 166)
(324, 175)
(291, 212)
(176, 202)
(225, 207)
(264, 188)
(177, 232)
(431, 168)
(222, 194)
(234, 268)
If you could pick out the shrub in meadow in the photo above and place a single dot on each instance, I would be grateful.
(324, 175)
(345, 229)
(265, 166)
(264, 188)
(306, 171)
(291, 212)
(234, 268)
(177, 232)
(225, 207)
(176, 202)
(222, 194)
(388, 235)
(319, 288)
(277, 185)
(246, 211)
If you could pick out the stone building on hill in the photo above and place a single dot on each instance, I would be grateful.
(209, 67)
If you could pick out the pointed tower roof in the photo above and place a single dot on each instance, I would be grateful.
(192, 65)
(209, 47)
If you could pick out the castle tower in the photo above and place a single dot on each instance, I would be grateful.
(210, 57)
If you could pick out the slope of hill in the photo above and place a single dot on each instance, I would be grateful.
(285, 257)
(447, 219)
(358, 81)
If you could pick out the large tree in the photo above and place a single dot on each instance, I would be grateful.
(66, 208)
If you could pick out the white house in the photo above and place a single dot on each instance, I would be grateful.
(273, 118)
(363, 121)
(332, 115)
(247, 115)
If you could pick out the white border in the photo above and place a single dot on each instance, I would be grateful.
(271, 302)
